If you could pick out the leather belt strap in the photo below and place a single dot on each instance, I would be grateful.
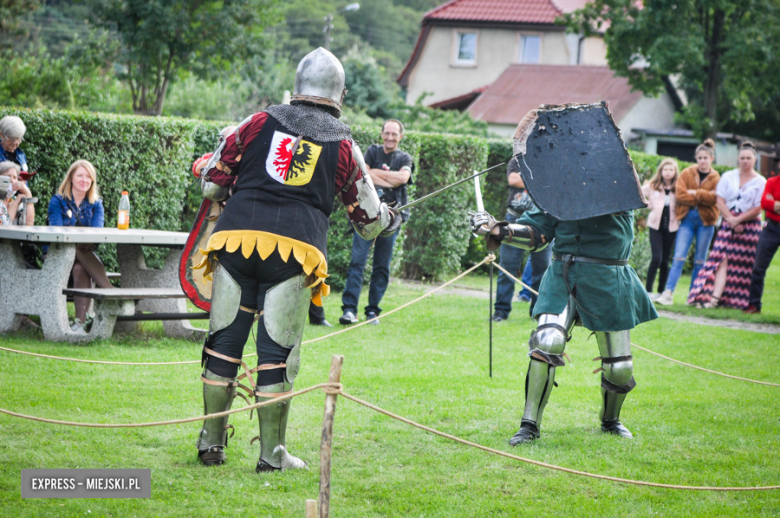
(250, 310)
(263, 367)
(218, 383)
(570, 258)
(272, 394)
(221, 356)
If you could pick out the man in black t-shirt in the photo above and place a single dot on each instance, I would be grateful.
(391, 171)
(512, 258)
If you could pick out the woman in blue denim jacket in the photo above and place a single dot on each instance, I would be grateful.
(77, 204)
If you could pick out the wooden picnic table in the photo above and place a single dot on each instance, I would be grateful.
(40, 292)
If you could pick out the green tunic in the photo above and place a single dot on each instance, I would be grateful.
(613, 295)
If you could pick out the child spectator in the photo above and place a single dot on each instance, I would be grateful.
(662, 222)
(13, 198)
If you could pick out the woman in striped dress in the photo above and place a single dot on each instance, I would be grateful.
(725, 278)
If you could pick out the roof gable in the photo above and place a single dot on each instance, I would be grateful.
(524, 87)
(502, 11)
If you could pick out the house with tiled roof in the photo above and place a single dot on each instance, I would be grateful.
(500, 58)
(465, 45)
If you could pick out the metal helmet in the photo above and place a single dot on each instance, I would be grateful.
(320, 80)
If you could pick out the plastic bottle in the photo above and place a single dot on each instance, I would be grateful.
(123, 218)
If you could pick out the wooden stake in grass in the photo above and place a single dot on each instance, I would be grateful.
(311, 508)
(326, 443)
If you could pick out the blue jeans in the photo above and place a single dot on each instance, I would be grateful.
(512, 261)
(691, 226)
(527, 279)
(380, 274)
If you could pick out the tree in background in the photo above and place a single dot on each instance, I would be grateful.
(10, 13)
(162, 39)
(721, 50)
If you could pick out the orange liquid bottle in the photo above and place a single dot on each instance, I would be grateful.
(123, 217)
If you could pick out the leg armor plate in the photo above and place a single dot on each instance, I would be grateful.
(218, 394)
(617, 378)
(284, 316)
(546, 346)
(225, 300)
(273, 429)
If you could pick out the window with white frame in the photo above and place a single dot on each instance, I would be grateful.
(466, 48)
(530, 49)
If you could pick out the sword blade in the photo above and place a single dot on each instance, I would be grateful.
(436, 193)
(478, 191)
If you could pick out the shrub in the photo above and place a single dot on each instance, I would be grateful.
(151, 158)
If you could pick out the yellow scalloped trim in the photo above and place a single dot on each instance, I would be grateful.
(309, 257)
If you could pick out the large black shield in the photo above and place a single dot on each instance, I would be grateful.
(576, 166)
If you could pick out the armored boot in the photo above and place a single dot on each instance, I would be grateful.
(218, 393)
(273, 428)
(617, 379)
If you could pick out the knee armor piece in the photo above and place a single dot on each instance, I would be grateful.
(547, 344)
(225, 300)
(284, 316)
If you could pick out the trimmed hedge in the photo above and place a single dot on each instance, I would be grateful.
(152, 157)
(149, 157)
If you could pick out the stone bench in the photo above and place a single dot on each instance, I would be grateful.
(119, 305)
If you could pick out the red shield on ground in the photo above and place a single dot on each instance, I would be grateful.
(195, 285)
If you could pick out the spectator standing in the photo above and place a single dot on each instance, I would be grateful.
(725, 278)
(662, 222)
(391, 171)
(768, 242)
(512, 258)
(527, 278)
(695, 209)
(77, 204)
(12, 130)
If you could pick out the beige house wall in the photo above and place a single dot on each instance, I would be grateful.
(438, 72)
(594, 52)
(655, 113)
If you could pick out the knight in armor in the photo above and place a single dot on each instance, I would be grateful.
(588, 283)
(277, 174)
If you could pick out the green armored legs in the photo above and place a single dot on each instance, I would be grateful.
(218, 394)
(273, 429)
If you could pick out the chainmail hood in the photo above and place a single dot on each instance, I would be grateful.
(310, 122)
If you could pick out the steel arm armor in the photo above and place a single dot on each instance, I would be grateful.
(369, 201)
(525, 237)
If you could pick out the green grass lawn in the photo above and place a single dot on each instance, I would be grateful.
(429, 363)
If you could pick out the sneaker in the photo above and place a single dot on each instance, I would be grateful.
(751, 310)
(665, 299)
(653, 296)
(523, 298)
(373, 315)
(498, 317)
(78, 328)
(348, 318)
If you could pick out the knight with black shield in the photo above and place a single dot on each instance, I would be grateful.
(578, 172)
(273, 182)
